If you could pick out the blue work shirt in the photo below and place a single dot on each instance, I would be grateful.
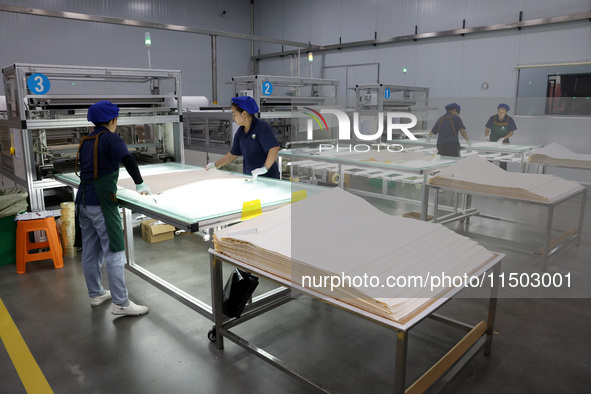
(254, 146)
(111, 150)
(447, 128)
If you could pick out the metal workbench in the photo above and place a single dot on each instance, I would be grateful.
(549, 246)
(196, 209)
(479, 335)
(511, 153)
(341, 165)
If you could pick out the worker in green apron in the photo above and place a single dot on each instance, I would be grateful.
(499, 128)
(98, 223)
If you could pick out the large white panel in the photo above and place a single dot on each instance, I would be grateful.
(490, 58)
(486, 12)
(358, 20)
(534, 9)
(554, 44)
(202, 13)
(296, 21)
(325, 22)
(439, 15)
(439, 66)
(269, 19)
(396, 18)
(393, 60)
(233, 61)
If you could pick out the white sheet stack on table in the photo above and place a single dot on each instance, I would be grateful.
(557, 155)
(335, 233)
(475, 174)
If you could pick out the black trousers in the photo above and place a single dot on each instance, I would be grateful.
(449, 149)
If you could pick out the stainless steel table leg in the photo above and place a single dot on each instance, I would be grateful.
(435, 205)
(468, 205)
(548, 238)
(425, 198)
(581, 215)
(216, 298)
(128, 236)
(492, 309)
(401, 353)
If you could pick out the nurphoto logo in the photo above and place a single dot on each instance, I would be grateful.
(344, 124)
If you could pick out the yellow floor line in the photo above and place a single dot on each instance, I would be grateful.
(24, 362)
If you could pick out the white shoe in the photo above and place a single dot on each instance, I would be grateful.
(96, 301)
(131, 310)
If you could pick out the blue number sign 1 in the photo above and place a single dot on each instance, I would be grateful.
(38, 83)
(387, 93)
(267, 88)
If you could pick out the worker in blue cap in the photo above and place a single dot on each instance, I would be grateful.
(98, 221)
(499, 128)
(447, 129)
(255, 141)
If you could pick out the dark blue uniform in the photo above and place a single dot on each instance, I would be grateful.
(254, 146)
(111, 151)
(447, 128)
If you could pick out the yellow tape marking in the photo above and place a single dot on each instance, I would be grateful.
(250, 209)
(22, 359)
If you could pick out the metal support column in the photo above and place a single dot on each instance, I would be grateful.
(214, 70)
(216, 299)
(492, 309)
(425, 197)
(401, 353)
(548, 240)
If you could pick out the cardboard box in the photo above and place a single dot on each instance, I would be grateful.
(156, 232)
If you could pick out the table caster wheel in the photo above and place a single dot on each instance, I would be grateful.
(211, 335)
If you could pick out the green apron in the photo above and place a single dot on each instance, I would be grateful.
(106, 190)
(499, 129)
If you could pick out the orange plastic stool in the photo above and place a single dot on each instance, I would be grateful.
(24, 245)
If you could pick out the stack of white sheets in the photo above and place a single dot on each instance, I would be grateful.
(475, 174)
(557, 155)
(335, 234)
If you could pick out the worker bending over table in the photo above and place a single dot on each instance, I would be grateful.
(98, 223)
(254, 140)
(447, 128)
(499, 128)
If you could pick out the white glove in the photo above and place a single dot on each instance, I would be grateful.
(487, 138)
(427, 139)
(209, 166)
(259, 171)
(469, 142)
(500, 141)
(142, 188)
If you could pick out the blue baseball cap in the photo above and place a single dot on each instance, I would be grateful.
(504, 106)
(102, 112)
(247, 103)
(453, 106)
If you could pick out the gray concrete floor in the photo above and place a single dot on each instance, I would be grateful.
(540, 343)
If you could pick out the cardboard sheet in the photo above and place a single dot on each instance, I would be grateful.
(335, 234)
(557, 155)
(476, 174)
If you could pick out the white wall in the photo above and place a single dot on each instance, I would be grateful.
(454, 68)
(44, 40)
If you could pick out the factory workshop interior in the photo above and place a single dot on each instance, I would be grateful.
(335, 196)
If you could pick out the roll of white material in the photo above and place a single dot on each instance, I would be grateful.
(192, 103)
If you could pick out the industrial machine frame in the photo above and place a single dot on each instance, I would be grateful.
(29, 113)
(436, 378)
